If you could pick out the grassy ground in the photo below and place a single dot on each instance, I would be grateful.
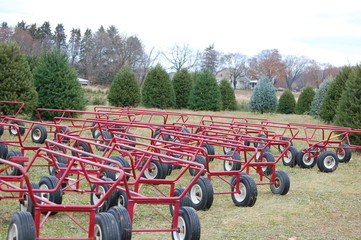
(318, 205)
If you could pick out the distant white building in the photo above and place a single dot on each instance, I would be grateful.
(242, 82)
(83, 81)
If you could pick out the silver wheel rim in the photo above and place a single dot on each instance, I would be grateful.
(151, 172)
(98, 232)
(182, 230)
(36, 134)
(329, 162)
(242, 193)
(121, 201)
(96, 197)
(196, 194)
(25, 205)
(13, 131)
(228, 165)
(307, 160)
(341, 154)
(13, 232)
(288, 158)
(44, 195)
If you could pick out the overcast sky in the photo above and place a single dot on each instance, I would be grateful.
(327, 31)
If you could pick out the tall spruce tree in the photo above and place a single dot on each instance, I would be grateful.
(228, 97)
(334, 92)
(57, 83)
(205, 94)
(264, 97)
(303, 105)
(182, 84)
(348, 112)
(320, 95)
(157, 89)
(16, 81)
(287, 103)
(124, 91)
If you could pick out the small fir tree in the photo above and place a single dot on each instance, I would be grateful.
(157, 90)
(264, 97)
(287, 103)
(205, 94)
(16, 81)
(228, 97)
(124, 91)
(182, 84)
(303, 105)
(57, 84)
(348, 112)
(320, 95)
(330, 102)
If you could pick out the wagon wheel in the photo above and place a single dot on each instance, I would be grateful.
(199, 159)
(282, 184)
(26, 205)
(47, 183)
(13, 171)
(266, 157)
(201, 194)
(246, 195)
(184, 201)
(327, 161)
(124, 223)
(81, 146)
(13, 131)
(98, 192)
(155, 171)
(306, 160)
(210, 151)
(232, 165)
(118, 198)
(22, 226)
(189, 227)
(106, 136)
(39, 134)
(106, 227)
(3, 150)
(290, 158)
(115, 175)
(343, 153)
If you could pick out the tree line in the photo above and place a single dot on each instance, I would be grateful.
(99, 55)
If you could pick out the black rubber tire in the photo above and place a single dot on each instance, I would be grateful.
(82, 146)
(124, 223)
(210, 151)
(258, 144)
(165, 136)
(95, 197)
(232, 165)
(22, 227)
(1, 130)
(184, 202)
(50, 182)
(106, 226)
(327, 161)
(343, 153)
(106, 136)
(156, 170)
(62, 130)
(304, 161)
(39, 134)
(3, 150)
(290, 157)
(26, 204)
(201, 194)
(118, 198)
(282, 183)
(199, 159)
(266, 157)
(13, 171)
(248, 191)
(21, 127)
(114, 175)
(188, 224)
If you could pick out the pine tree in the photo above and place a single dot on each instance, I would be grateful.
(330, 102)
(124, 91)
(348, 112)
(228, 97)
(320, 95)
(287, 103)
(57, 84)
(264, 97)
(205, 94)
(16, 81)
(157, 89)
(182, 84)
(303, 105)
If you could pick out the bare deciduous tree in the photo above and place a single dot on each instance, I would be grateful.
(295, 67)
(181, 57)
(236, 63)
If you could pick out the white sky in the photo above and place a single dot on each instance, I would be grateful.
(327, 31)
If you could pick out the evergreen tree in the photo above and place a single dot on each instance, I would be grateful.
(287, 103)
(320, 95)
(205, 94)
(182, 84)
(57, 84)
(157, 89)
(74, 45)
(210, 59)
(124, 91)
(264, 97)
(348, 112)
(60, 38)
(330, 102)
(303, 105)
(16, 81)
(228, 97)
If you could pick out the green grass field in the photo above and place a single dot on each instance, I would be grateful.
(318, 205)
